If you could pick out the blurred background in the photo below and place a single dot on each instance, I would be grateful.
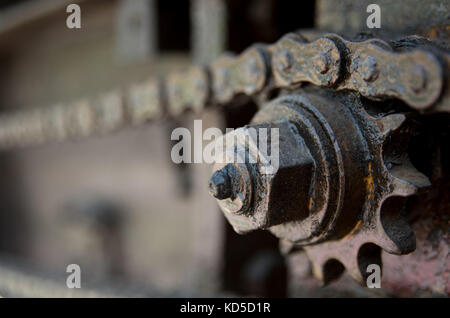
(136, 223)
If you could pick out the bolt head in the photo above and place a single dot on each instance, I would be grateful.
(261, 200)
(231, 185)
(220, 184)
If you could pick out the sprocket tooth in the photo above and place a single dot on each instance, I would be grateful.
(390, 123)
(320, 269)
(392, 231)
(402, 188)
(318, 272)
(326, 270)
(407, 180)
(329, 260)
(353, 268)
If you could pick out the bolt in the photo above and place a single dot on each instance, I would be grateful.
(369, 69)
(260, 191)
(220, 185)
(321, 62)
(285, 60)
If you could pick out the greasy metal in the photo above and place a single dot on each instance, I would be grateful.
(270, 192)
(376, 72)
(220, 184)
(370, 68)
(294, 60)
(231, 184)
(416, 74)
(335, 175)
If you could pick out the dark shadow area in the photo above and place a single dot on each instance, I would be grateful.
(14, 221)
(173, 25)
(265, 21)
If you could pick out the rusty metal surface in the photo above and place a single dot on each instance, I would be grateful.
(334, 191)
(295, 60)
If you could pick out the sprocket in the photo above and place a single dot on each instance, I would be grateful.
(339, 189)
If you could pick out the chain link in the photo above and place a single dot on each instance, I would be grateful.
(373, 68)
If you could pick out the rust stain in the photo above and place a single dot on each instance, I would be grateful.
(438, 31)
(357, 226)
(369, 182)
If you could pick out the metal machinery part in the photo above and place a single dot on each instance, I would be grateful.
(343, 173)
(343, 162)
(337, 167)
